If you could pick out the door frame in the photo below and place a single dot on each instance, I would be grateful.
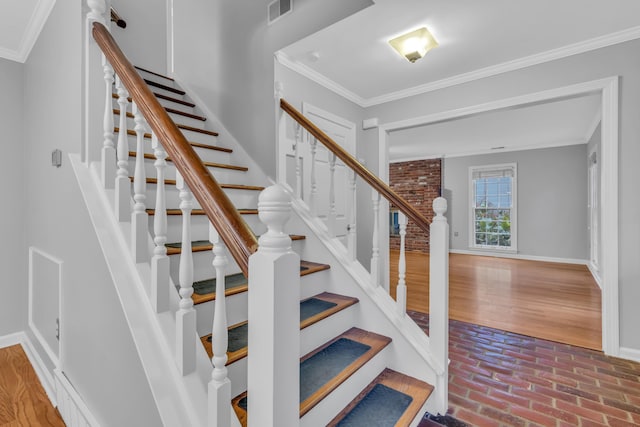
(608, 88)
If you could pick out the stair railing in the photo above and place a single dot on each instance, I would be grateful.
(229, 232)
(438, 230)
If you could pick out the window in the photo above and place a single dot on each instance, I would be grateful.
(493, 207)
(394, 223)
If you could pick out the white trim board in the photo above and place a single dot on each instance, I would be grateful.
(609, 206)
(498, 254)
(517, 64)
(33, 29)
(630, 354)
(41, 370)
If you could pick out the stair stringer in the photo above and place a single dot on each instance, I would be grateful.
(181, 400)
(409, 352)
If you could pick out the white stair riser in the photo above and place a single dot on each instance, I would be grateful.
(238, 376)
(221, 175)
(321, 332)
(165, 103)
(177, 119)
(244, 198)
(236, 312)
(313, 284)
(161, 91)
(205, 154)
(202, 267)
(149, 76)
(331, 405)
(200, 227)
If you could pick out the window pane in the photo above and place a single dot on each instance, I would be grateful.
(480, 238)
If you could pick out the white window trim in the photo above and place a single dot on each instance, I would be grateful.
(514, 209)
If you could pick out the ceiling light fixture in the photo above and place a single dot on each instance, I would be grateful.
(414, 45)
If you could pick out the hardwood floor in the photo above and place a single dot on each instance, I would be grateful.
(23, 401)
(557, 302)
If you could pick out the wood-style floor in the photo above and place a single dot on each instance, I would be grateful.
(557, 302)
(23, 401)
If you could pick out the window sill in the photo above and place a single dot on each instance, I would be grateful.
(493, 249)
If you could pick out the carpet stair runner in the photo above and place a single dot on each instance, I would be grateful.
(391, 399)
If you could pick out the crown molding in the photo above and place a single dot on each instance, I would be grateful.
(517, 64)
(30, 35)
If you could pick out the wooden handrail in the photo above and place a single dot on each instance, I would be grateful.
(369, 177)
(233, 230)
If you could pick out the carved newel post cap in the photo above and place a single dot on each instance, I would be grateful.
(440, 206)
(274, 209)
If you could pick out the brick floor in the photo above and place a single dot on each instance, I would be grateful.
(499, 378)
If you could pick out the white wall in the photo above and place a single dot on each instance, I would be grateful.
(13, 254)
(615, 60)
(595, 145)
(98, 354)
(551, 200)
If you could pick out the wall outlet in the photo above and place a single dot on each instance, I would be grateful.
(455, 234)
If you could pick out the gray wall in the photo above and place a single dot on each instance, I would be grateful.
(551, 200)
(618, 60)
(98, 353)
(13, 254)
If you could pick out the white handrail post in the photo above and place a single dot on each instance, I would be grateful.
(313, 198)
(332, 195)
(123, 184)
(352, 236)
(108, 158)
(375, 248)
(139, 216)
(274, 319)
(296, 153)
(439, 297)
(160, 261)
(401, 289)
(281, 133)
(220, 385)
(186, 315)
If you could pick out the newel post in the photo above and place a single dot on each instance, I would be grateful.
(274, 319)
(439, 298)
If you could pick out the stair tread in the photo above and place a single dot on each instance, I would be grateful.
(239, 348)
(153, 72)
(227, 186)
(392, 399)
(192, 143)
(116, 111)
(150, 156)
(205, 245)
(176, 212)
(205, 290)
(338, 359)
(165, 97)
(185, 114)
(164, 87)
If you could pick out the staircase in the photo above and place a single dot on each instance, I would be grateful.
(361, 361)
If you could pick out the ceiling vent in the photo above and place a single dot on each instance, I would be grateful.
(279, 8)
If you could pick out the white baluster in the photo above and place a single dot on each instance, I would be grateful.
(332, 195)
(274, 319)
(439, 298)
(108, 158)
(186, 315)
(313, 199)
(123, 184)
(401, 290)
(160, 261)
(296, 147)
(139, 217)
(375, 248)
(219, 386)
(351, 206)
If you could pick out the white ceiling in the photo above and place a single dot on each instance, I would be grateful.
(565, 122)
(475, 36)
(22, 22)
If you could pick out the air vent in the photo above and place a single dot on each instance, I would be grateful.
(279, 8)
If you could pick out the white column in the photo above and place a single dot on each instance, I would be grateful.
(274, 320)
(352, 236)
(186, 315)
(313, 198)
(332, 195)
(123, 184)
(160, 261)
(439, 298)
(401, 289)
(375, 241)
(296, 153)
(139, 217)
(108, 157)
(220, 385)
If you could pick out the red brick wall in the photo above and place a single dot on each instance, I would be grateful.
(418, 182)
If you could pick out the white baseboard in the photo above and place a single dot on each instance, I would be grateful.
(595, 273)
(72, 408)
(520, 256)
(41, 370)
(630, 353)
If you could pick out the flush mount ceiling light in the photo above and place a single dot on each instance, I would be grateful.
(414, 45)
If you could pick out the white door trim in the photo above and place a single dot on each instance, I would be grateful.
(608, 89)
